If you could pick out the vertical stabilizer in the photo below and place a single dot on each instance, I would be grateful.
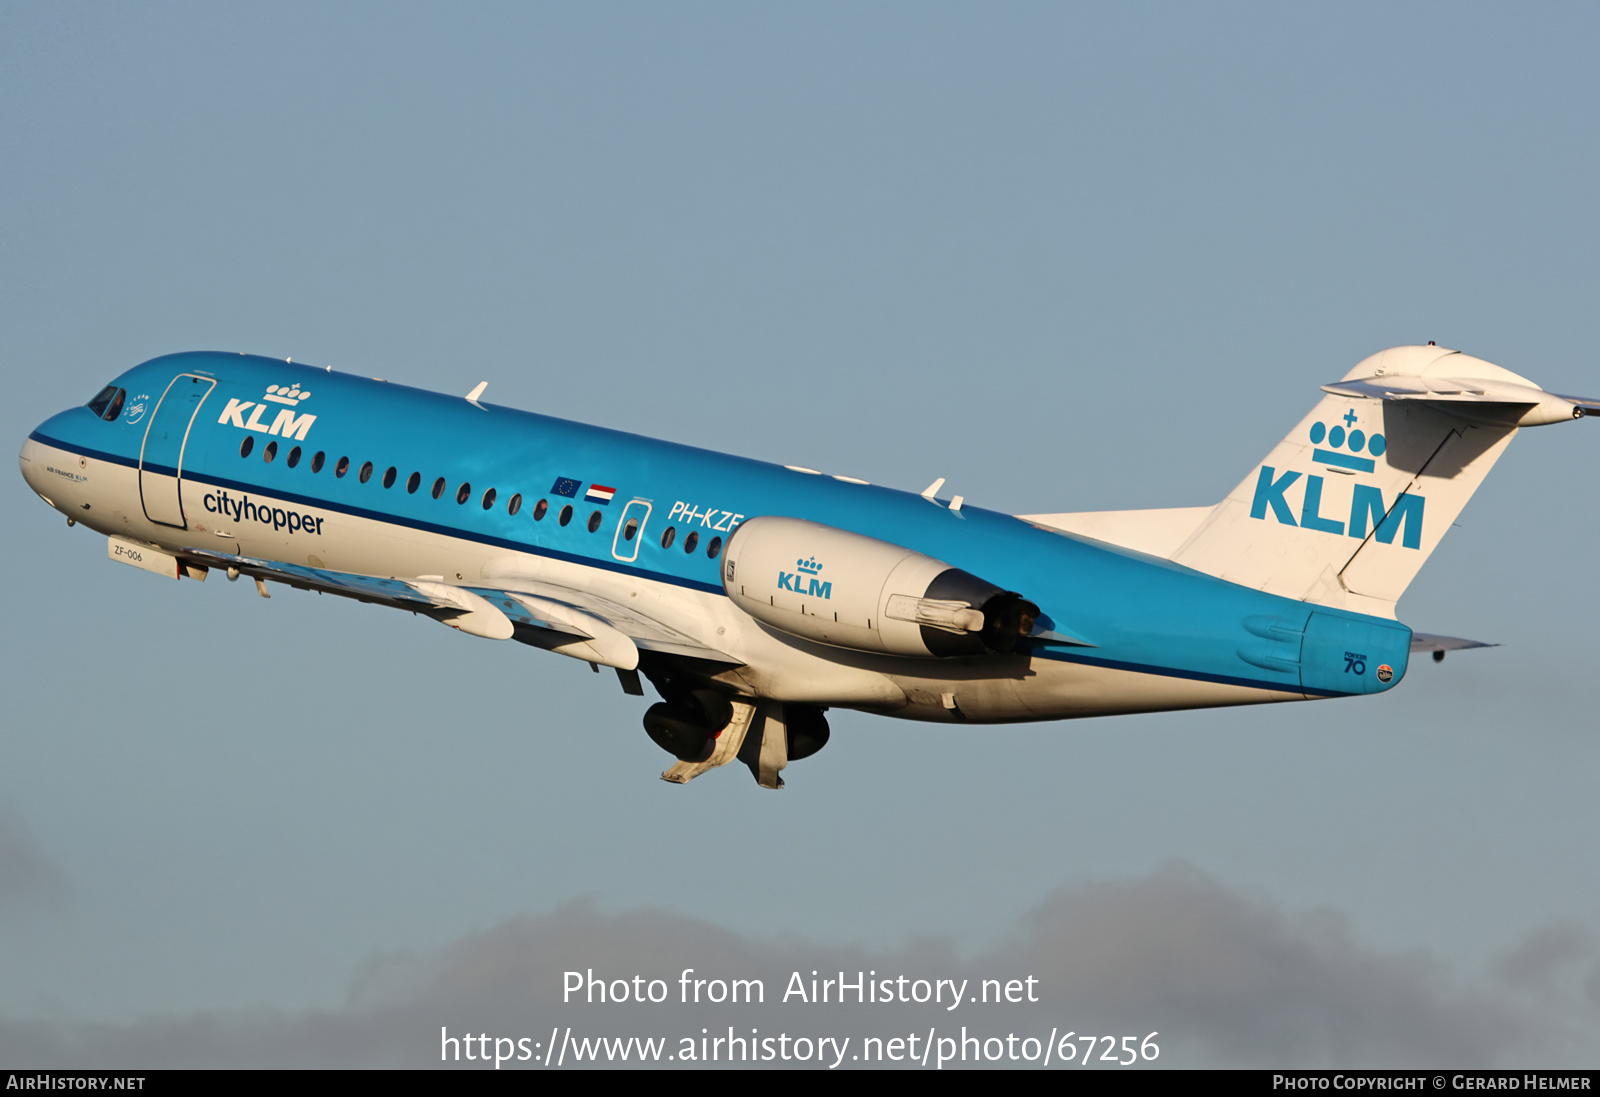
(1346, 509)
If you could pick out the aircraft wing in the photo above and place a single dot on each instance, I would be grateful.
(561, 619)
(575, 605)
(366, 588)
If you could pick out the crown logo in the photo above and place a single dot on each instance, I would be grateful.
(286, 394)
(1338, 437)
(810, 567)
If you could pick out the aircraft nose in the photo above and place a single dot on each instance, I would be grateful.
(35, 457)
(32, 469)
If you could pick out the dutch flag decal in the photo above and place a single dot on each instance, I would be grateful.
(599, 494)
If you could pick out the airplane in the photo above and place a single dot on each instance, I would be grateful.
(754, 597)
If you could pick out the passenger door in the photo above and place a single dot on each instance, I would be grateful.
(161, 456)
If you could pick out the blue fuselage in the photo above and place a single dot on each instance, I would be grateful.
(277, 456)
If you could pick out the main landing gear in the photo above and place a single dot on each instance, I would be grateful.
(704, 729)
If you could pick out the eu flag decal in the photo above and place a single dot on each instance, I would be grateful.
(565, 486)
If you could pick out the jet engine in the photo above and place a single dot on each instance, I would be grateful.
(836, 587)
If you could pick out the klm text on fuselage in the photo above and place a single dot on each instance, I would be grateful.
(286, 423)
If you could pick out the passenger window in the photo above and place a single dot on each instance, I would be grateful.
(691, 542)
(514, 504)
(294, 457)
(270, 452)
(389, 475)
(539, 510)
(316, 461)
(342, 467)
(438, 487)
(594, 521)
(366, 472)
(668, 535)
(714, 547)
(566, 514)
(488, 499)
(413, 482)
(247, 445)
(464, 492)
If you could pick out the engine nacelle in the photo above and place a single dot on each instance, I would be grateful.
(836, 587)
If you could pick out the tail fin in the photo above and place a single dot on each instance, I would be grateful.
(1347, 508)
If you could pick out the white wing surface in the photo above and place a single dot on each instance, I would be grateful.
(560, 619)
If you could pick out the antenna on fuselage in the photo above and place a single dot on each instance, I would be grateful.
(477, 391)
(933, 489)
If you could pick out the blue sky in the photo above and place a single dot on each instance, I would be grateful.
(1071, 258)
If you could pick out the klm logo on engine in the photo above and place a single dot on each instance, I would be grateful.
(1367, 506)
(804, 580)
(286, 423)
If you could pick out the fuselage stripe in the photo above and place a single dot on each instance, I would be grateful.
(1039, 651)
(380, 516)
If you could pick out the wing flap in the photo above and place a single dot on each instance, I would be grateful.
(579, 634)
(646, 632)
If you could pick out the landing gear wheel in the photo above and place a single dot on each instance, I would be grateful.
(680, 731)
(807, 730)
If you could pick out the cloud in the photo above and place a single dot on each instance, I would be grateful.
(1251, 984)
(25, 871)
(1228, 979)
(1545, 955)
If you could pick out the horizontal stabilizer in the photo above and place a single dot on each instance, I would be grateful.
(1422, 641)
(1475, 399)
(1425, 641)
(1589, 406)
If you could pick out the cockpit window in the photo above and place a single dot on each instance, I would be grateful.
(108, 404)
(99, 404)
